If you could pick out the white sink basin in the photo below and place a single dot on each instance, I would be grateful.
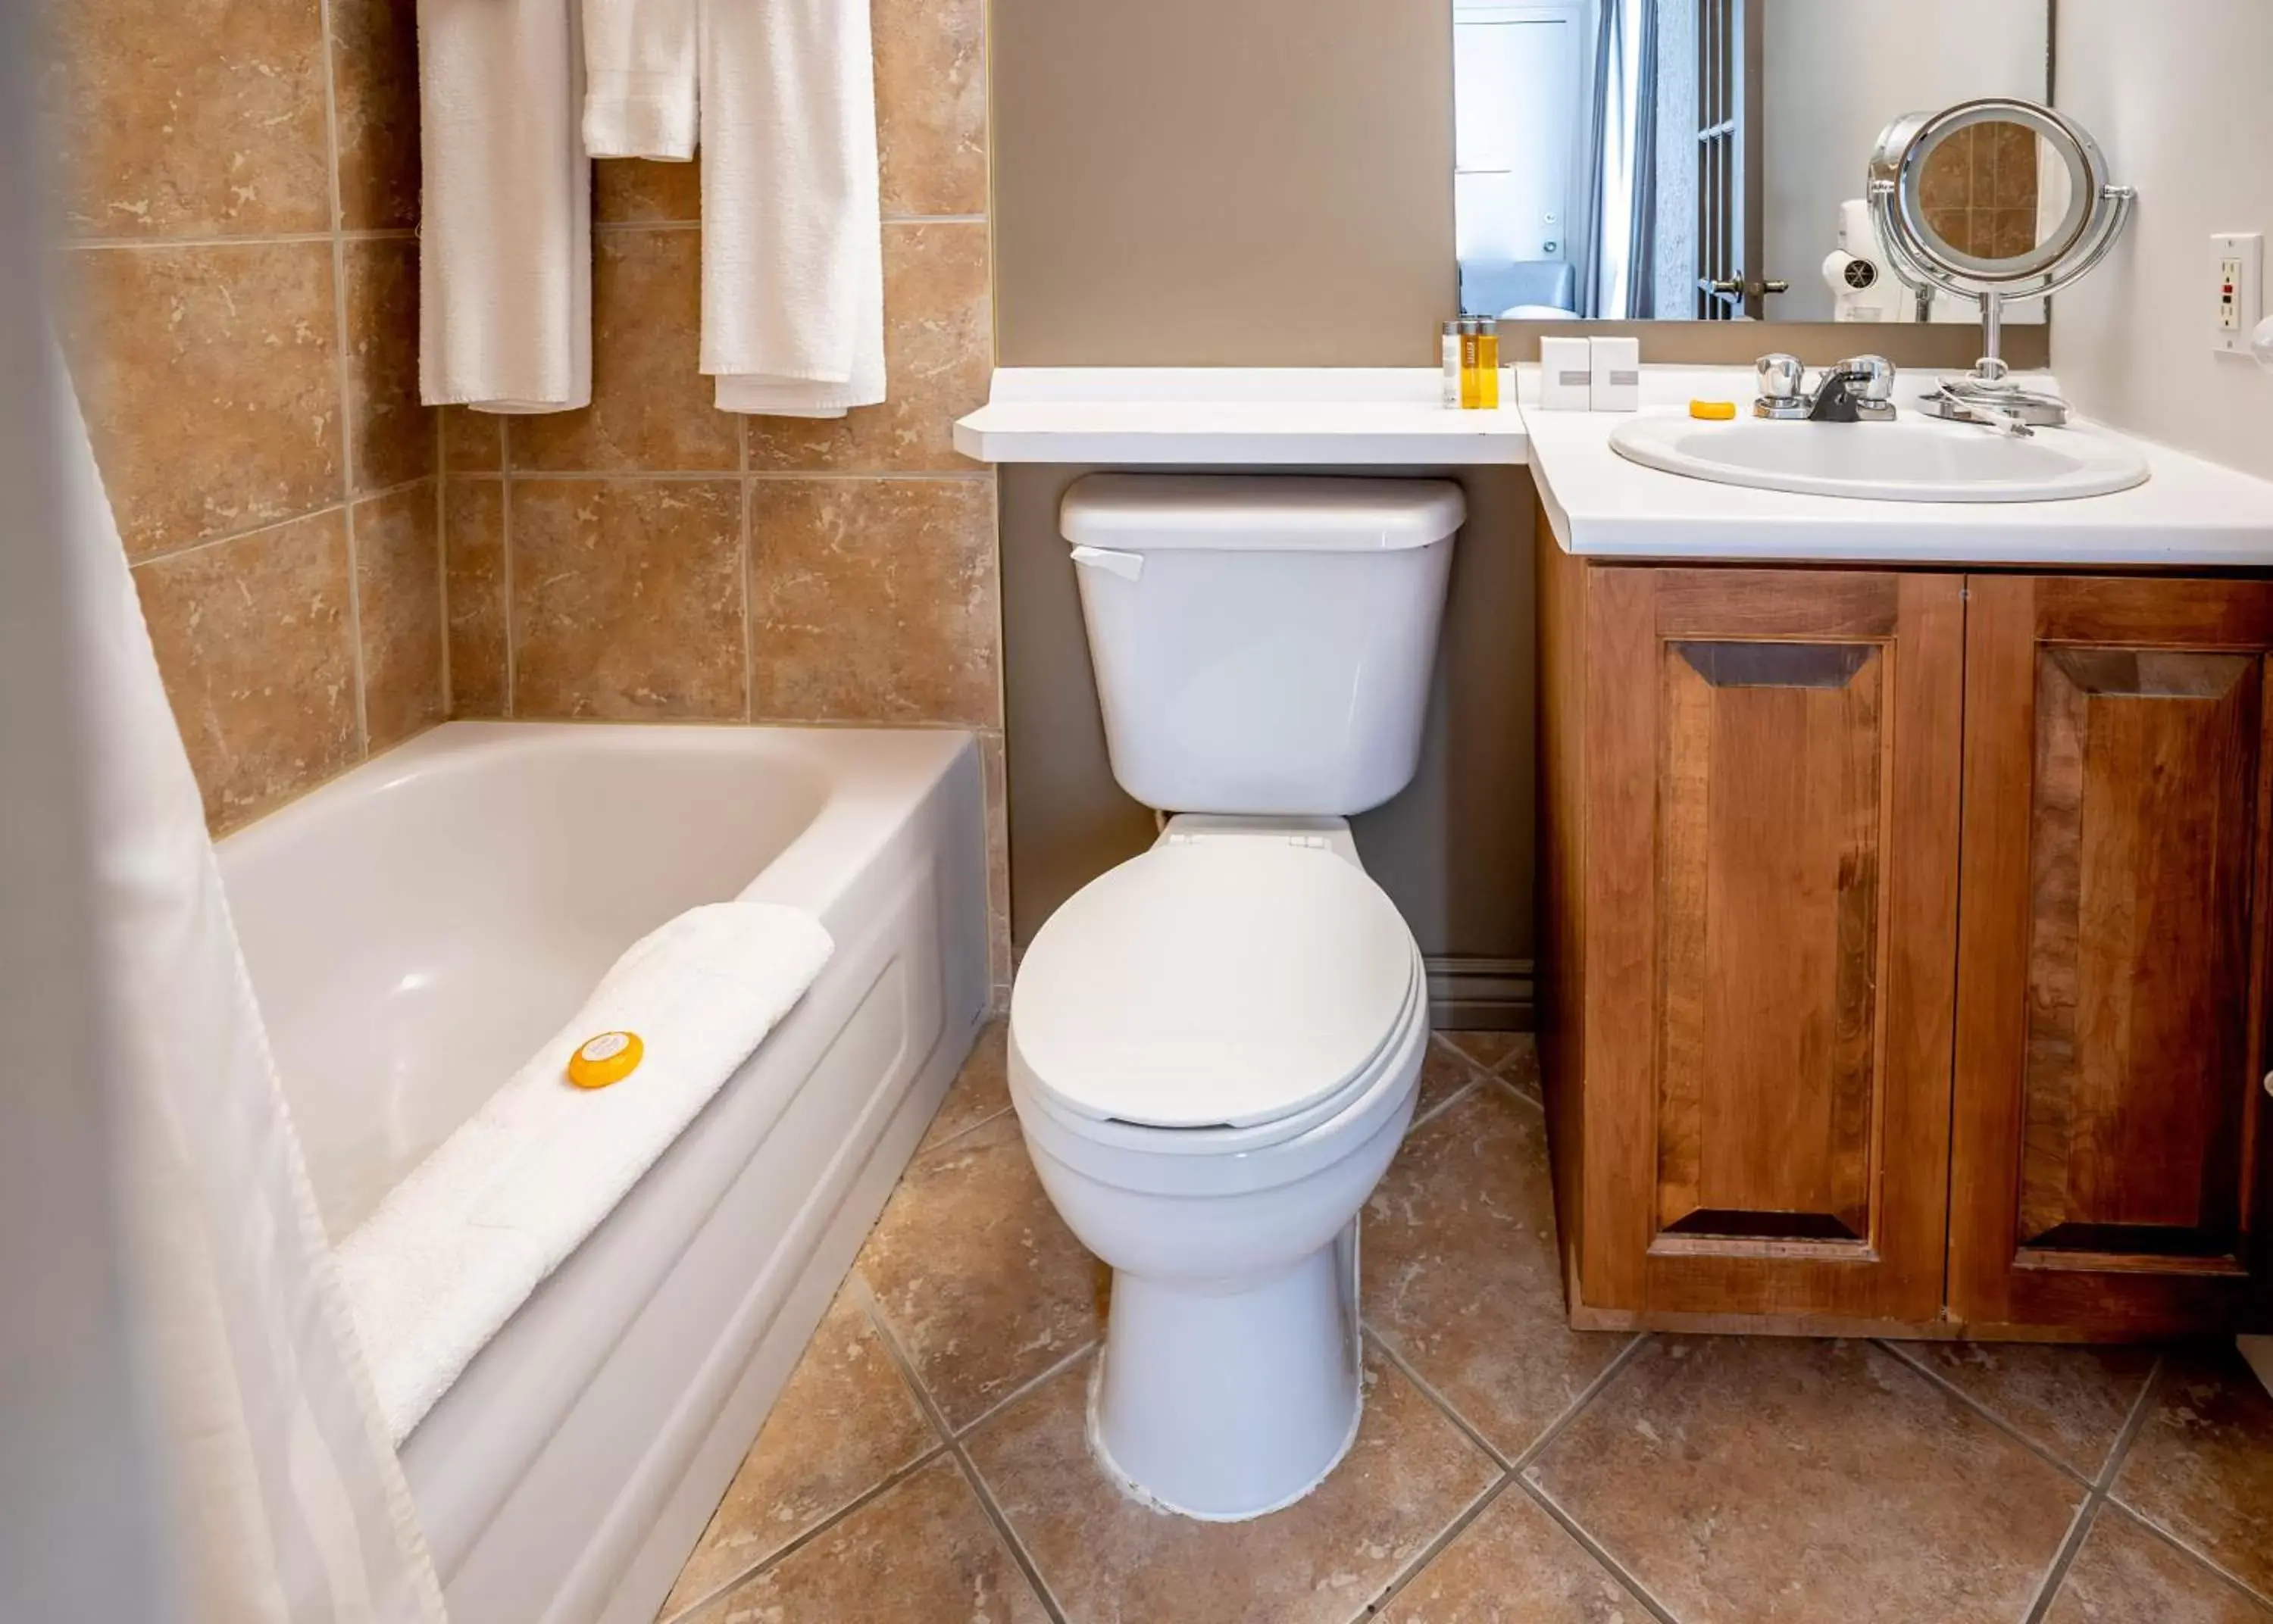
(1911, 460)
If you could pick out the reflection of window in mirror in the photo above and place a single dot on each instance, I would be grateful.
(1693, 159)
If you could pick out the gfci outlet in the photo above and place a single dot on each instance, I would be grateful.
(2238, 303)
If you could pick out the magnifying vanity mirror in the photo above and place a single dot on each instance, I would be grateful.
(1706, 160)
(2051, 213)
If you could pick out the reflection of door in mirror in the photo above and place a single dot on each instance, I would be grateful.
(1729, 219)
(1516, 74)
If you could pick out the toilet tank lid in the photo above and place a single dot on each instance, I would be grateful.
(1247, 513)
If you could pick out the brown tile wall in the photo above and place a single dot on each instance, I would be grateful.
(651, 558)
(237, 201)
(1980, 191)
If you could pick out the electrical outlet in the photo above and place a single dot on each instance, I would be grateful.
(2237, 261)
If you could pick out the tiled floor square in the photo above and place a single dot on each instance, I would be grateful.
(1759, 1480)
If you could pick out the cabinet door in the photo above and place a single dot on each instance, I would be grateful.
(1772, 767)
(2108, 1157)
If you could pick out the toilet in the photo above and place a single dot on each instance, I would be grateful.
(1215, 1047)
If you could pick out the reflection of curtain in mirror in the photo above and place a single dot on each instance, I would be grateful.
(1613, 238)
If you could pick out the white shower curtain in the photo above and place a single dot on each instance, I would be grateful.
(284, 1503)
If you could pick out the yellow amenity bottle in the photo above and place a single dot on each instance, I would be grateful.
(1471, 379)
(1488, 362)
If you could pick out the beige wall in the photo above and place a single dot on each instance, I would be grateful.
(2182, 115)
(238, 196)
(1264, 183)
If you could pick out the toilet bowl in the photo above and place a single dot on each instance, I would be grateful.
(1214, 1054)
(1215, 1047)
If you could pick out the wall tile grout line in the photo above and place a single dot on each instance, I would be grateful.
(343, 372)
(442, 566)
(204, 543)
(504, 563)
(881, 1324)
(747, 495)
(660, 225)
(253, 239)
(719, 475)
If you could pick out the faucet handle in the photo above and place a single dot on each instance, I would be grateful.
(1782, 377)
(1873, 377)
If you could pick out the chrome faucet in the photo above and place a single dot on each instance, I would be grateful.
(1859, 390)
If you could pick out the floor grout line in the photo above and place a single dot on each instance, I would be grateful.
(865, 1498)
(1023, 1388)
(2134, 1425)
(1445, 1105)
(1512, 1467)
(1538, 1495)
(881, 1322)
(2104, 1490)
(964, 1131)
(2110, 1505)
(1390, 1352)
(2071, 1542)
(1943, 1384)
(1587, 1394)
(1462, 1521)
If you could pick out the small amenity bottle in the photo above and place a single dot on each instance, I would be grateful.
(1450, 356)
(1471, 381)
(1488, 362)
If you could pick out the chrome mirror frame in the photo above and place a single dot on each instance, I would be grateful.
(2097, 211)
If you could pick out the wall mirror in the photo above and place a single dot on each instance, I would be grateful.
(1707, 159)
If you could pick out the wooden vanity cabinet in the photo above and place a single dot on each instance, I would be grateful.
(1904, 947)
(2109, 1155)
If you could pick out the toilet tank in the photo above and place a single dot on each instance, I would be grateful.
(1262, 645)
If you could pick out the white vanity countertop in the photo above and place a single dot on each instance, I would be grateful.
(2189, 513)
(1253, 416)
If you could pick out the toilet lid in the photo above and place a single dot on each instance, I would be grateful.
(1212, 984)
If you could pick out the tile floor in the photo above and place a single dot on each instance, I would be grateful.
(926, 1463)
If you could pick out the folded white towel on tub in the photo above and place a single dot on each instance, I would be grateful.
(455, 1248)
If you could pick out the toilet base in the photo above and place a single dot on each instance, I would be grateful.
(1223, 1406)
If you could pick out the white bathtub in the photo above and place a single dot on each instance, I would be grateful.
(417, 927)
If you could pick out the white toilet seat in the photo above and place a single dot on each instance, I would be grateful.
(1217, 995)
(1113, 1134)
